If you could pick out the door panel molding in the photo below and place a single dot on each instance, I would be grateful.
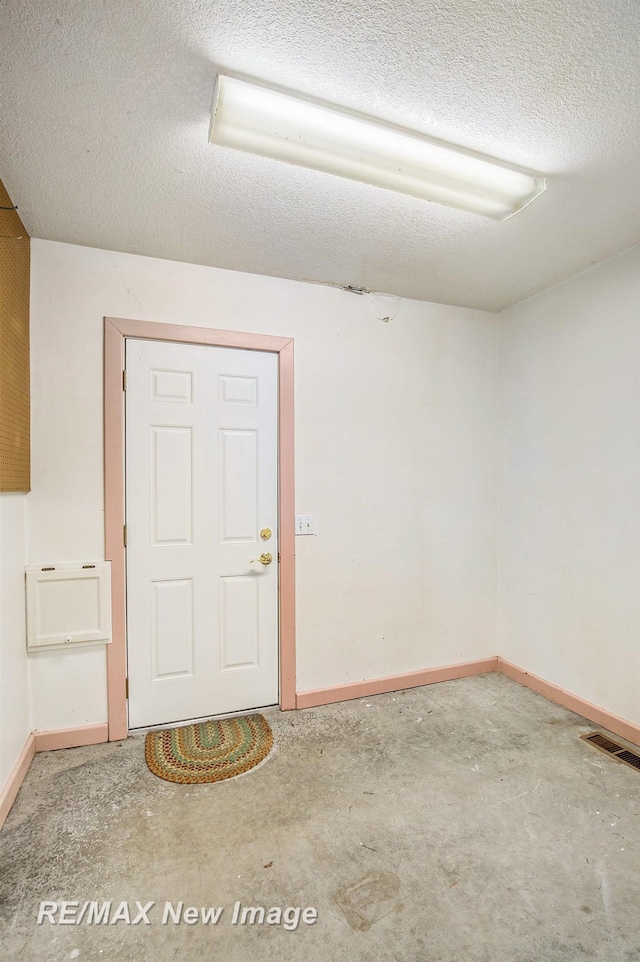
(115, 332)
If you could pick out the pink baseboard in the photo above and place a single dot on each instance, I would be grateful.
(599, 716)
(71, 737)
(379, 686)
(16, 778)
(93, 734)
(45, 742)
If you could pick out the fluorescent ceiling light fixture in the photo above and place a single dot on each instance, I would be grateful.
(282, 125)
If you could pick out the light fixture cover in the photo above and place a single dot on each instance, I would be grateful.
(282, 125)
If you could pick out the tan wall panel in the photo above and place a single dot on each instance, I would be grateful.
(15, 461)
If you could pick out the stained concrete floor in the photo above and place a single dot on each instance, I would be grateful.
(462, 821)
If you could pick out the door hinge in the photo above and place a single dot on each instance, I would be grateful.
(124, 535)
(126, 688)
(124, 380)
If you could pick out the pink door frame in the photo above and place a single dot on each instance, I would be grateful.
(115, 332)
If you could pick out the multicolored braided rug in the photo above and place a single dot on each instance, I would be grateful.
(210, 751)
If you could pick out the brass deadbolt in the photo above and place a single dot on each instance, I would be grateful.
(266, 533)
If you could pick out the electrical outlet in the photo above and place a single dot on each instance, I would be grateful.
(305, 524)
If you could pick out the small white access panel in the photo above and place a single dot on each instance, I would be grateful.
(68, 604)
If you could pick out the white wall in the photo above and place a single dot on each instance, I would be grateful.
(569, 597)
(397, 437)
(15, 723)
(396, 455)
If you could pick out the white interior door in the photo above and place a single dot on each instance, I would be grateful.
(201, 486)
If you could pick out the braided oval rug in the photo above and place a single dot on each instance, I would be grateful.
(209, 751)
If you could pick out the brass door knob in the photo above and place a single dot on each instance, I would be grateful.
(264, 559)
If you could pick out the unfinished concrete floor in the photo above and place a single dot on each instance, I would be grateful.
(463, 821)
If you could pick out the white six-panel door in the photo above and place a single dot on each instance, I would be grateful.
(201, 485)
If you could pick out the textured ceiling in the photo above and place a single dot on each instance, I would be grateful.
(105, 109)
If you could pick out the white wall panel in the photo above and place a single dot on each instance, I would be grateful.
(570, 505)
(55, 674)
(396, 453)
(15, 720)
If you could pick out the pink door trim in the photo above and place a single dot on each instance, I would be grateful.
(115, 332)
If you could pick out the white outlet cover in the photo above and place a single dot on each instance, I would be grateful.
(305, 524)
